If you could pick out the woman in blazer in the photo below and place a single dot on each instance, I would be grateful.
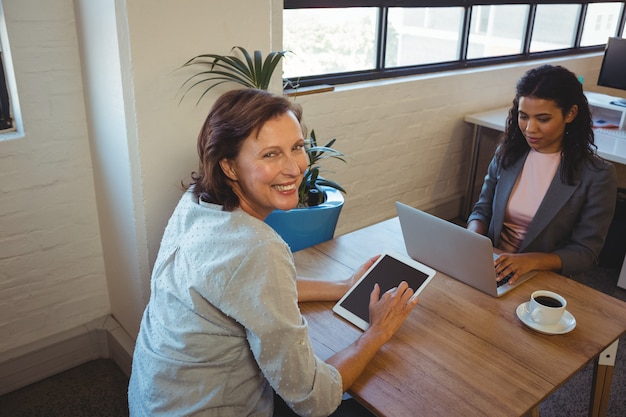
(547, 200)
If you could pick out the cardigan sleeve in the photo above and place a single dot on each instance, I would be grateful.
(262, 296)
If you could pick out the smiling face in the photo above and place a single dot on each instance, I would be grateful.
(270, 165)
(543, 124)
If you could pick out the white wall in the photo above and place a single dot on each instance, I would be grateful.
(51, 265)
(406, 140)
(110, 103)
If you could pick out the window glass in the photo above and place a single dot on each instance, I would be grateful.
(600, 23)
(554, 27)
(423, 35)
(6, 122)
(496, 30)
(9, 115)
(338, 43)
(329, 40)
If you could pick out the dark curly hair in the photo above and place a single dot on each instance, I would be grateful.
(560, 85)
(235, 116)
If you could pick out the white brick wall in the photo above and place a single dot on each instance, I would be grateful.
(51, 267)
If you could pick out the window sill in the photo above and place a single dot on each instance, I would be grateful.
(304, 91)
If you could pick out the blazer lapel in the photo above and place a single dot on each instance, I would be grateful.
(556, 197)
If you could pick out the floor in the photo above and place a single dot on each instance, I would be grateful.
(98, 388)
(95, 389)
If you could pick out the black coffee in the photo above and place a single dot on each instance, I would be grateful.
(548, 301)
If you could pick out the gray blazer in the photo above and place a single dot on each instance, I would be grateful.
(572, 221)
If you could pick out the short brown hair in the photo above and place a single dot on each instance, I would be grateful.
(235, 116)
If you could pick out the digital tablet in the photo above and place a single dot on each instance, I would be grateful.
(388, 271)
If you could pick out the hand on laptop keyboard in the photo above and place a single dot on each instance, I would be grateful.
(504, 280)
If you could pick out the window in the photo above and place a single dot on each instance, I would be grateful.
(340, 41)
(600, 23)
(554, 27)
(497, 31)
(6, 121)
(417, 36)
(10, 116)
(330, 41)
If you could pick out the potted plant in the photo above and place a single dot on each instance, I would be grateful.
(319, 199)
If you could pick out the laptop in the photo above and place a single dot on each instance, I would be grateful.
(457, 252)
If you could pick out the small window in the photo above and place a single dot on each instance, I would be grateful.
(10, 116)
(327, 41)
(6, 119)
(497, 31)
(554, 27)
(424, 35)
(595, 32)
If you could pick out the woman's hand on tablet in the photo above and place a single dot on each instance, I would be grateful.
(388, 312)
(348, 283)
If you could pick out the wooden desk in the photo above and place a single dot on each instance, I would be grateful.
(462, 352)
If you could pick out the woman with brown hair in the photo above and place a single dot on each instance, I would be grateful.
(222, 333)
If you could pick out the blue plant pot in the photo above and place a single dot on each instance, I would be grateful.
(308, 226)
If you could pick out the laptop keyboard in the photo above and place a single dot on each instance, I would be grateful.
(504, 280)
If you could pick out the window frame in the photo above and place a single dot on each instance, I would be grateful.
(379, 72)
(11, 125)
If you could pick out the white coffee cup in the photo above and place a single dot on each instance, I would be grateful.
(546, 307)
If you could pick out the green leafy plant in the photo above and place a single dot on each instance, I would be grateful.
(255, 71)
(310, 192)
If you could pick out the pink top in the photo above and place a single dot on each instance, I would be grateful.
(528, 192)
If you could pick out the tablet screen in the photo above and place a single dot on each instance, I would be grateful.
(389, 272)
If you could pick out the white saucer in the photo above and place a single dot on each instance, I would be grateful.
(565, 325)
